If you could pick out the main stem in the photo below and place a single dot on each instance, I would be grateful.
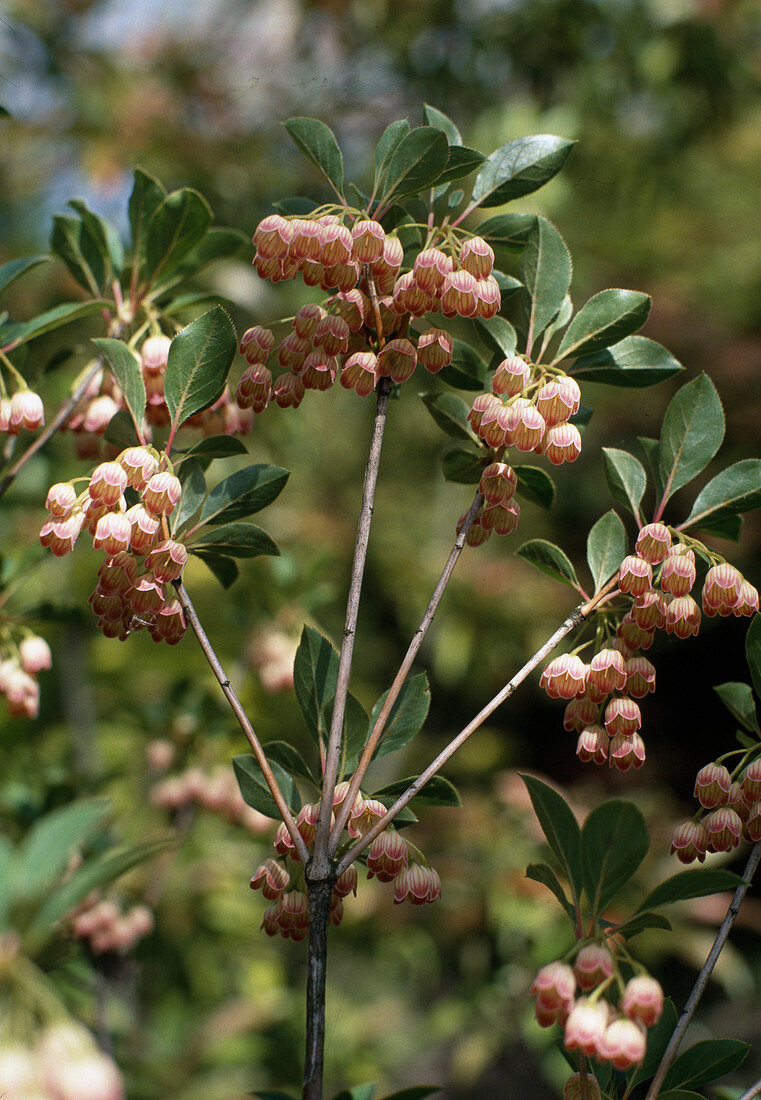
(319, 894)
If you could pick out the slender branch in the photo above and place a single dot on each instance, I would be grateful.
(333, 754)
(401, 676)
(573, 620)
(245, 725)
(58, 420)
(320, 894)
(702, 981)
(754, 1090)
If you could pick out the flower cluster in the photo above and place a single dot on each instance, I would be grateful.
(22, 412)
(574, 997)
(730, 810)
(362, 332)
(20, 661)
(106, 928)
(126, 597)
(387, 859)
(529, 409)
(216, 792)
(602, 696)
(63, 1064)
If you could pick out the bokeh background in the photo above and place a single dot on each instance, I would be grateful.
(661, 194)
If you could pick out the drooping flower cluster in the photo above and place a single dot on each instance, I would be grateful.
(133, 589)
(281, 879)
(216, 792)
(105, 927)
(63, 1064)
(362, 331)
(21, 658)
(730, 810)
(529, 409)
(602, 696)
(23, 411)
(574, 997)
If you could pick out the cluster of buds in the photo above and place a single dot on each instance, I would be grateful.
(105, 927)
(63, 1064)
(21, 660)
(216, 792)
(529, 409)
(602, 696)
(362, 332)
(574, 997)
(272, 653)
(130, 594)
(100, 402)
(22, 412)
(730, 811)
(387, 859)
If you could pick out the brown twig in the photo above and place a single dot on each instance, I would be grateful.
(245, 725)
(320, 861)
(702, 980)
(573, 620)
(401, 676)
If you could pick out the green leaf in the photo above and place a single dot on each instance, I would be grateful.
(497, 334)
(43, 855)
(92, 875)
(658, 1038)
(680, 1094)
(178, 224)
(753, 652)
(253, 786)
(705, 1062)
(284, 754)
(391, 138)
(739, 701)
(236, 540)
(434, 117)
(7, 858)
(462, 466)
(199, 359)
(14, 269)
(353, 733)
(243, 493)
(125, 366)
(692, 432)
(604, 320)
(508, 230)
(546, 273)
(120, 431)
(626, 478)
(416, 162)
(193, 482)
(542, 872)
(147, 195)
(467, 370)
(105, 239)
(218, 243)
(296, 205)
(550, 559)
(359, 1092)
(318, 143)
(607, 546)
(450, 413)
(518, 168)
(461, 161)
(70, 242)
(693, 883)
(315, 669)
(417, 1092)
(407, 716)
(736, 489)
(635, 362)
(640, 922)
(15, 333)
(559, 826)
(536, 485)
(614, 842)
(224, 569)
(438, 791)
(650, 449)
(215, 446)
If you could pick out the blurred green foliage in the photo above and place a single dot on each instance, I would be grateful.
(661, 192)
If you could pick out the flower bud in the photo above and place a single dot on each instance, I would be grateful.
(592, 965)
(712, 785)
(564, 677)
(353, 306)
(723, 828)
(562, 444)
(408, 297)
(689, 842)
(336, 245)
(368, 239)
(430, 268)
(640, 677)
(458, 295)
(112, 534)
(498, 483)
(360, 372)
(635, 575)
(721, 589)
(678, 571)
(592, 745)
(489, 298)
(558, 400)
(580, 713)
(271, 878)
(511, 376)
(319, 371)
(397, 360)
(752, 826)
(500, 518)
(477, 257)
(145, 528)
(750, 781)
(387, 856)
(622, 715)
(60, 535)
(256, 343)
(626, 752)
(682, 617)
(526, 425)
(362, 819)
(347, 883)
(273, 236)
(331, 334)
(585, 1026)
(643, 1000)
(607, 672)
(386, 269)
(555, 984)
(653, 542)
(288, 391)
(34, 654)
(306, 320)
(154, 354)
(254, 388)
(61, 499)
(161, 494)
(622, 1044)
(418, 885)
(26, 412)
